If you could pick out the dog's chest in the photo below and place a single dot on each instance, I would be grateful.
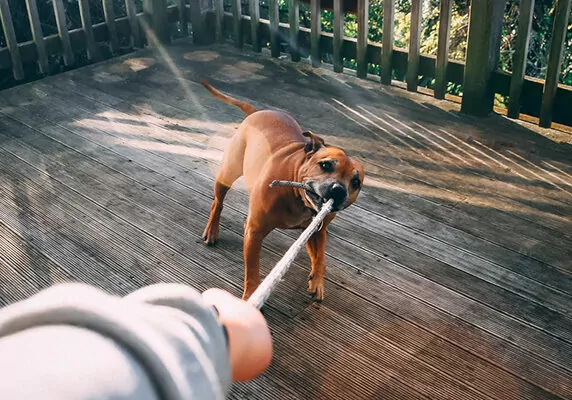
(297, 220)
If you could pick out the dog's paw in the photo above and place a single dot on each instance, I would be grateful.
(210, 235)
(316, 289)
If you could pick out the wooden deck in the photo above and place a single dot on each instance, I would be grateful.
(451, 278)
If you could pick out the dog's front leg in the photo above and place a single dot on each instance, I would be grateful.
(316, 247)
(252, 247)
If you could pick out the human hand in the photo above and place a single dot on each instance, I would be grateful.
(250, 341)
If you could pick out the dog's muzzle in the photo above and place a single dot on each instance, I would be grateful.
(323, 191)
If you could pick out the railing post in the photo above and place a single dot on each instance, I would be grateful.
(445, 7)
(158, 27)
(483, 49)
(561, 11)
(387, 41)
(198, 10)
(363, 29)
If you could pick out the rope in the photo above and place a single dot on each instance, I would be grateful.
(261, 294)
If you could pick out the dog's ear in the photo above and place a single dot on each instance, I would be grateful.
(314, 144)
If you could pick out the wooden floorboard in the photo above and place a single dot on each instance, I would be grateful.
(450, 278)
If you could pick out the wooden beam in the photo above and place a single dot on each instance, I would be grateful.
(526, 10)
(92, 48)
(182, 7)
(236, 23)
(445, 8)
(219, 20)
(254, 24)
(136, 37)
(273, 14)
(414, 37)
(294, 18)
(483, 48)
(316, 29)
(387, 41)
(561, 11)
(38, 36)
(11, 41)
(60, 13)
(109, 15)
(158, 26)
(338, 36)
(363, 30)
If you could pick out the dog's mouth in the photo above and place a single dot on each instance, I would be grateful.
(314, 199)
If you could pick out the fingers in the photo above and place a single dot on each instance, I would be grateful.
(250, 341)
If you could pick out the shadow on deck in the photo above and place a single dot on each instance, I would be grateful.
(450, 278)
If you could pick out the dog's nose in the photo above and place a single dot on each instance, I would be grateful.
(338, 192)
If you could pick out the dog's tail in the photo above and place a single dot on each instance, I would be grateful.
(244, 106)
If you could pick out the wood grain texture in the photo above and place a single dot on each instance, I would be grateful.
(526, 9)
(387, 41)
(92, 48)
(338, 36)
(37, 35)
(316, 32)
(274, 16)
(61, 22)
(445, 9)
(294, 19)
(414, 43)
(11, 41)
(237, 24)
(108, 180)
(363, 30)
(254, 6)
(559, 30)
(109, 14)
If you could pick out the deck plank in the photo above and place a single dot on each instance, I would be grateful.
(106, 177)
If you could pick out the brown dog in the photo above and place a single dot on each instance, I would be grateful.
(270, 145)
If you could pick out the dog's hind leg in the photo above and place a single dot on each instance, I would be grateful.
(229, 172)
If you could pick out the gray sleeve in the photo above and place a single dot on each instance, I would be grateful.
(75, 342)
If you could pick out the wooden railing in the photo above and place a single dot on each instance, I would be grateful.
(479, 76)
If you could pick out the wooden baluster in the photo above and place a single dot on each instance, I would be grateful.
(255, 24)
(131, 10)
(441, 81)
(182, 7)
(316, 31)
(338, 36)
(237, 23)
(38, 36)
(561, 12)
(294, 18)
(363, 29)
(219, 20)
(60, 13)
(92, 48)
(483, 50)
(11, 41)
(387, 41)
(110, 23)
(413, 55)
(156, 15)
(526, 10)
(273, 13)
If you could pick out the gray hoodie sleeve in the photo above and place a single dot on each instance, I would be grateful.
(75, 342)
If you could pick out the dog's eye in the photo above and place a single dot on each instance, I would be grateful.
(327, 166)
(356, 183)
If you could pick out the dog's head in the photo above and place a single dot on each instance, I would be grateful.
(331, 174)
